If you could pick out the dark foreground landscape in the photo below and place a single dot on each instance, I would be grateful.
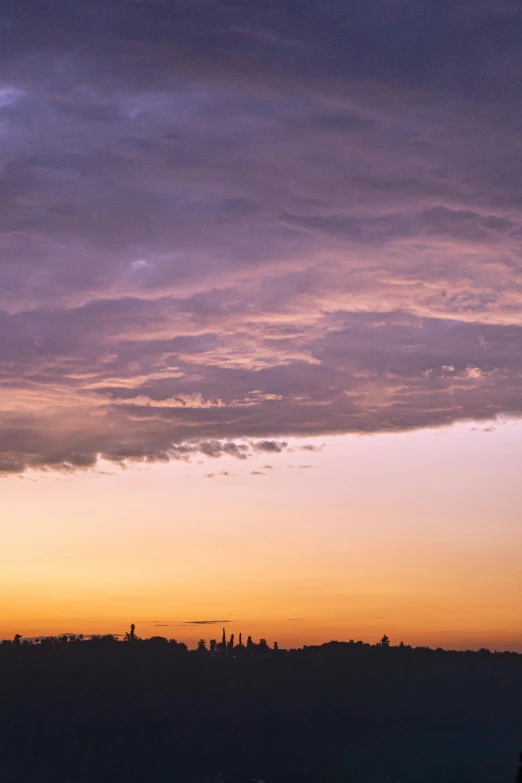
(152, 712)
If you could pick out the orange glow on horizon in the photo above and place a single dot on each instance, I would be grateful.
(411, 535)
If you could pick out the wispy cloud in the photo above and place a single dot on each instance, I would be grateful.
(205, 622)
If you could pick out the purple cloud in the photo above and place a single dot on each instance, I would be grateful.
(292, 225)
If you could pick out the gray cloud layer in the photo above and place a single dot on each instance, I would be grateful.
(225, 224)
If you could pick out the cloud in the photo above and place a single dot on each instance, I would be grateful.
(257, 473)
(271, 446)
(236, 227)
(206, 622)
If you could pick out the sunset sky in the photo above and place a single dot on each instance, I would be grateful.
(261, 319)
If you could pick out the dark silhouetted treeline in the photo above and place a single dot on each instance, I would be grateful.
(94, 710)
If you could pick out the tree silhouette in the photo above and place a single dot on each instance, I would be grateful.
(263, 645)
(188, 698)
(212, 645)
(17, 639)
(130, 636)
(157, 640)
(385, 642)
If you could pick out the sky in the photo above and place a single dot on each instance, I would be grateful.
(245, 234)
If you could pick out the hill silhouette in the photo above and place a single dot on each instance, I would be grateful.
(151, 711)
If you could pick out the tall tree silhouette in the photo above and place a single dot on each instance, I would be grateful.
(385, 641)
(230, 645)
(130, 636)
